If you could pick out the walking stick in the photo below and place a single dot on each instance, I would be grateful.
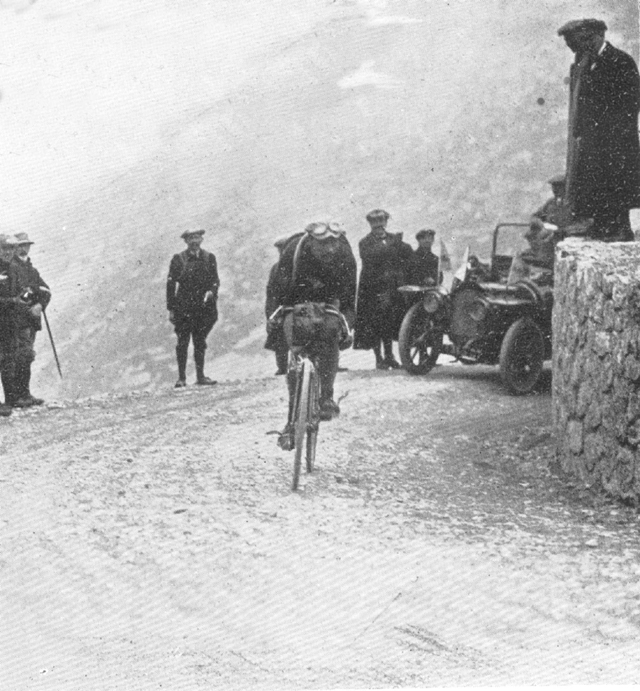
(53, 345)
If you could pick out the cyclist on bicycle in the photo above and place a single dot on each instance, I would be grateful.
(316, 286)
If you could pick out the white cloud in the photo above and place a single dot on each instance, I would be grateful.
(365, 75)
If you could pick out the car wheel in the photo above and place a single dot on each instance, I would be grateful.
(419, 342)
(521, 356)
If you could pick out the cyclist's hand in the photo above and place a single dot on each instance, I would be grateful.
(347, 339)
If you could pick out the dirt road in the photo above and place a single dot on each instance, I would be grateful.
(152, 542)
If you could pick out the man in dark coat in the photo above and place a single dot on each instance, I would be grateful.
(8, 299)
(386, 264)
(425, 266)
(34, 296)
(192, 295)
(318, 268)
(604, 153)
(275, 333)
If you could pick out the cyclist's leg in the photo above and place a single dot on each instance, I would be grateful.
(328, 355)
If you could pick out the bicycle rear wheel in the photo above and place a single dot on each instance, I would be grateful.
(313, 422)
(301, 418)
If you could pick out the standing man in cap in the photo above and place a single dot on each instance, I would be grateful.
(192, 295)
(34, 296)
(426, 265)
(8, 298)
(603, 160)
(276, 340)
(386, 264)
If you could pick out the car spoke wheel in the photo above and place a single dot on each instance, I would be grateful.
(522, 356)
(419, 342)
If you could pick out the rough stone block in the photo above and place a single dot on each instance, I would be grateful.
(596, 363)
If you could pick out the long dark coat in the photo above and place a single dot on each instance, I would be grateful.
(386, 263)
(606, 172)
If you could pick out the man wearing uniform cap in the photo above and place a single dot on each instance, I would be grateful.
(34, 296)
(386, 265)
(8, 297)
(192, 294)
(603, 160)
(425, 265)
(276, 340)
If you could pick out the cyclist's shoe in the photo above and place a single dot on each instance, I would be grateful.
(5, 410)
(205, 381)
(392, 363)
(286, 440)
(329, 409)
(181, 383)
(381, 364)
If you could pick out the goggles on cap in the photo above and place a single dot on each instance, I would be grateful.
(322, 231)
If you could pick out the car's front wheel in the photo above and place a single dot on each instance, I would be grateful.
(419, 342)
(522, 356)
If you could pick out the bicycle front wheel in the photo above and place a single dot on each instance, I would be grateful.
(301, 420)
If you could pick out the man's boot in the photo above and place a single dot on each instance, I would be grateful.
(20, 387)
(198, 356)
(7, 386)
(181, 356)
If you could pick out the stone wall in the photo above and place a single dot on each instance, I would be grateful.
(596, 364)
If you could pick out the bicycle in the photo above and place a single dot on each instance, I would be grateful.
(305, 413)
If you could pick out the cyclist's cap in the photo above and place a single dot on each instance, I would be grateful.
(597, 26)
(189, 233)
(425, 233)
(377, 215)
(557, 180)
(322, 231)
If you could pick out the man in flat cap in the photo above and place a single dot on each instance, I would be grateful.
(192, 295)
(386, 265)
(425, 269)
(34, 296)
(603, 158)
(275, 333)
(555, 210)
(8, 299)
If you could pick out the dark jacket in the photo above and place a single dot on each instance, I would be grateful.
(190, 278)
(424, 267)
(325, 271)
(606, 166)
(386, 265)
(29, 281)
(8, 291)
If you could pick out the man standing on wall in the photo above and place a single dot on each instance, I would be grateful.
(192, 295)
(603, 161)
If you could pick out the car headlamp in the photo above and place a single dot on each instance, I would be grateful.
(431, 302)
(478, 310)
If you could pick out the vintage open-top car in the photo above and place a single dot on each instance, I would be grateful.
(495, 313)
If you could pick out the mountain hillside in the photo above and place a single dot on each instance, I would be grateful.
(250, 120)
